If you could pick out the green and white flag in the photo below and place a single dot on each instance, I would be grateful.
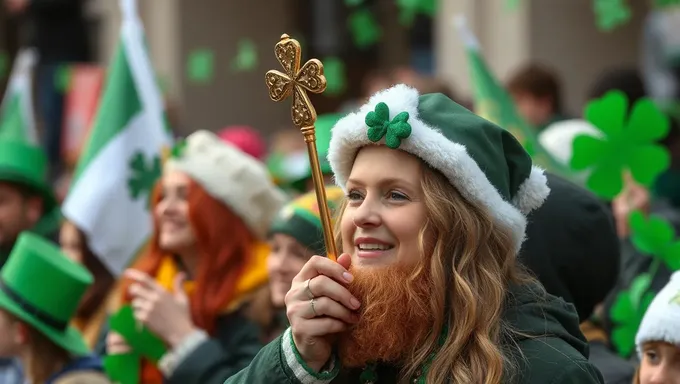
(110, 195)
(17, 118)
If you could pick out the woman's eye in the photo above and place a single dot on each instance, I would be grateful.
(354, 195)
(652, 356)
(397, 196)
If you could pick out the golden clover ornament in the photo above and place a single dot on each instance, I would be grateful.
(297, 81)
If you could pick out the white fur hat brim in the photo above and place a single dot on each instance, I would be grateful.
(662, 319)
(234, 178)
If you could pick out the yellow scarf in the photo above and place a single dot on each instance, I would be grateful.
(254, 276)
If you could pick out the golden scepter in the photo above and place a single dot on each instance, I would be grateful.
(297, 81)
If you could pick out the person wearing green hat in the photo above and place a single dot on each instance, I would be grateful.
(35, 317)
(295, 236)
(27, 201)
(427, 287)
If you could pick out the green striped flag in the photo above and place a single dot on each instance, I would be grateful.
(493, 102)
(110, 194)
(17, 118)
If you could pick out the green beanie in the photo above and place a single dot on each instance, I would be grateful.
(300, 219)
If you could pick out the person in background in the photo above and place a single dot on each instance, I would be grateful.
(97, 302)
(58, 30)
(27, 201)
(212, 209)
(41, 289)
(658, 338)
(295, 236)
(537, 92)
(573, 249)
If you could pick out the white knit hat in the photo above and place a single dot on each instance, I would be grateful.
(236, 179)
(558, 138)
(662, 319)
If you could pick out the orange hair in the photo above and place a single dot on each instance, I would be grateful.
(224, 244)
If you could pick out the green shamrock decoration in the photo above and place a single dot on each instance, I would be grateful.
(365, 30)
(666, 3)
(626, 145)
(246, 58)
(611, 13)
(334, 69)
(200, 65)
(627, 313)
(380, 126)
(178, 149)
(410, 8)
(654, 236)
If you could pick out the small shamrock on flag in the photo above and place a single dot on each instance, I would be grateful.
(627, 312)
(380, 126)
(654, 236)
(627, 144)
(143, 176)
(334, 70)
(246, 58)
(611, 13)
(365, 30)
(200, 66)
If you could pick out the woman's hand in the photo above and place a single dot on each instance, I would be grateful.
(167, 315)
(319, 306)
(116, 344)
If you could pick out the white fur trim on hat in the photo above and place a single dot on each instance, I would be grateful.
(662, 319)
(450, 158)
(236, 179)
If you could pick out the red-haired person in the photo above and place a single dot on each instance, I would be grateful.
(212, 210)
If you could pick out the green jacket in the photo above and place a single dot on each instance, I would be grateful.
(47, 227)
(556, 352)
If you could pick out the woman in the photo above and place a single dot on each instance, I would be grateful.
(213, 207)
(40, 292)
(658, 338)
(428, 288)
(294, 238)
(98, 300)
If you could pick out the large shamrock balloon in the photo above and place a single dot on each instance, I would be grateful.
(627, 144)
(627, 312)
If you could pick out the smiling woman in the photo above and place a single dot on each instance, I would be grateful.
(428, 288)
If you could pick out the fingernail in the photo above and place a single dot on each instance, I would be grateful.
(348, 277)
(355, 303)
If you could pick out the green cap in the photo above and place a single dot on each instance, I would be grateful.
(300, 219)
(43, 287)
(26, 164)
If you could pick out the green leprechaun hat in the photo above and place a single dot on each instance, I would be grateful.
(300, 219)
(485, 163)
(43, 288)
(323, 126)
(26, 164)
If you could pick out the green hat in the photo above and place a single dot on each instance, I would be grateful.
(300, 219)
(323, 125)
(42, 287)
(485, 163)
(26, 164)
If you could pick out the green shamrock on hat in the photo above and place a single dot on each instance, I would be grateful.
(380, 126)
(626, 144)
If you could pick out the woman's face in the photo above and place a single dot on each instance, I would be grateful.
(10, 336)
(286, 259)
(172, 214)
(71, 242)
(385, 210)
(660, 363)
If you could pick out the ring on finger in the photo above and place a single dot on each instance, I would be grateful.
(311, 304)
(310, 294)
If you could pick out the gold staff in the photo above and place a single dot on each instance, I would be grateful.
(297, 81)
